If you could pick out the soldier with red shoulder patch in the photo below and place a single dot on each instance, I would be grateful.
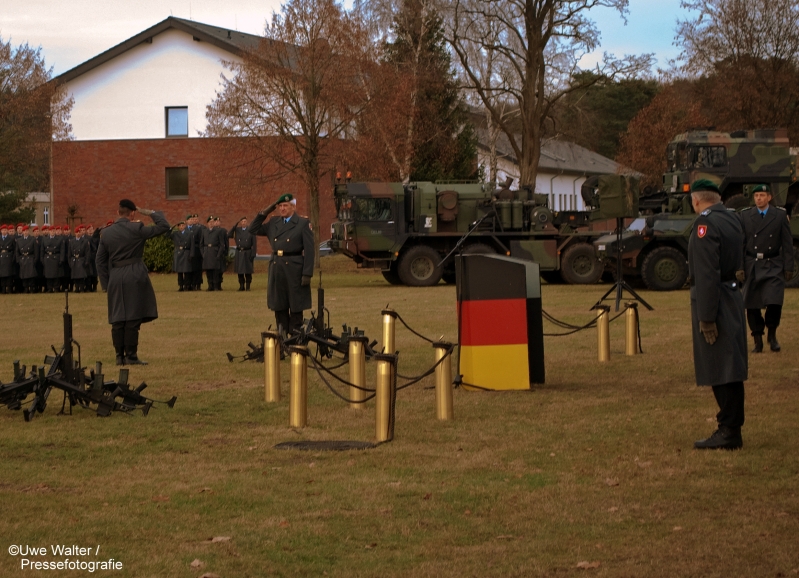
(768, 264)
(717, 312)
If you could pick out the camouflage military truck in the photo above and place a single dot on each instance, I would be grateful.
(407, 229)
(655, 246)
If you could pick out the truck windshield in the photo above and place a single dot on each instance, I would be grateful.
(370, 209)
(637, 225)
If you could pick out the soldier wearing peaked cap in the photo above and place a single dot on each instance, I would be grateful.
(246, 249)
(768, 264)
(213, 252)
(131, 299)
(182, 239)
(291, 265)
(717, 313)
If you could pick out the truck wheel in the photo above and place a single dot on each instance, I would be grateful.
(391, 275)
(418, 267)
(794, 282)
(580, 265)
(665, 269)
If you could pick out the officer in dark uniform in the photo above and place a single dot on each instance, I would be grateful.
(768, 264)
(38, 235)
(131, 299)
(181, 261)
(27, 255)
(79, 259)
(91, 270)
(196, 229)
(7, 259)
(213, 251)
(717, 312)
(246, 249)
(52, 258)
(223, 237)
(291, 264)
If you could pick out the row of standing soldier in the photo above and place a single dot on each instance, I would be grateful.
(50, 259)
(205, 247)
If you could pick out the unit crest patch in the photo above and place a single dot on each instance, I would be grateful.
(701, 231)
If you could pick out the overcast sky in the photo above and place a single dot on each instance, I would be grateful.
(73, 31)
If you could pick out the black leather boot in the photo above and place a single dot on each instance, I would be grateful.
(772, 339)
(758, 344)
(724, 438)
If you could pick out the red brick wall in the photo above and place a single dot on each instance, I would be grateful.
(95, 175)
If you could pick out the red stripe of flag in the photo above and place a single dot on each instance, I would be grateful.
(494, 322)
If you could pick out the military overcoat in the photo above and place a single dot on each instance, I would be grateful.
(196, 255)
(294, 239)
(183, 240)
(7, 256)
(52, 256)
(213, 249)
(768, 253)
(123, 273)
(79, 254)
(27, 255)
(714, 254)
(246, 249)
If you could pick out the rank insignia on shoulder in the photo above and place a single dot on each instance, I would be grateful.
(701, 231)
(705, 212)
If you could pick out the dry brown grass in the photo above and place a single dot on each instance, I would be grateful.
(596, 465)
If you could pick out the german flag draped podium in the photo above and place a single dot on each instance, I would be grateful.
(500, 327)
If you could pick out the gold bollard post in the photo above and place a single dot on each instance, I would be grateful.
(271, 344)
(389, 324)
(298, 394)
(357, 363)
(384, 397)
(443, 380)
(631, 329)
(603, 332)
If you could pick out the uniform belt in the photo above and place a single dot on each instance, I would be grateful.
(209, 245)
(243, 248)
(125, 263)
(761, 256)
(281, 253)
(724, 279)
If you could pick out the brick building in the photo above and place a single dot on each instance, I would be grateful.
(137, 119)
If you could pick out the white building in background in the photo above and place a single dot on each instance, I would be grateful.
(563, 167)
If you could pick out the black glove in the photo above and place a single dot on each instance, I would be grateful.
(306, 280)
(709, 330)
(740, 275)
(788, 275)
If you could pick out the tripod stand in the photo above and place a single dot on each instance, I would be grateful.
(620, 285)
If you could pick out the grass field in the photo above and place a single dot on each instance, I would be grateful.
(592, 473)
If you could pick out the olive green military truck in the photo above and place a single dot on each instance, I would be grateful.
(655, 246)
(405, 230)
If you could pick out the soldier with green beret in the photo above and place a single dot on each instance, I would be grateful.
(291, 265)
(717, 312)
(768, 264)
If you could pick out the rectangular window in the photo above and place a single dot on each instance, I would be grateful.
(177, 182)
(177, 121)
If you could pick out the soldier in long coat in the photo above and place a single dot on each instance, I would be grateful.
(52, 257)
(717, 312)
(66, 278)
(213, 251)
(246, 249)
(768, 264)
(131, 299)
(91, 273)
(182, 239)
(223, 236)
(8, 259)
(27, 256)
(291, 265)
(197, 230)
(78, 256)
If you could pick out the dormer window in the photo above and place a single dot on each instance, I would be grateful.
(177, 121)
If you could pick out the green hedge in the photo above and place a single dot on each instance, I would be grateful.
(158, 253)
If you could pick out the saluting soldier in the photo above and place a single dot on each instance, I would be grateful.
(124, 276)
(26, 260)
(717, 312)
(7, 259)
(213, 250)
(246, 249)
(181, 257)
(52, 256)
(768, 264)
(291, 266)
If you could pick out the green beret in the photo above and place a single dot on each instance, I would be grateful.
(761, 189)
(189, 217)
(704, 185)
(286, 198)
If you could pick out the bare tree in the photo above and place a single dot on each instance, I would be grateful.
(744, 55)
(292, 96)
(537, 46)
